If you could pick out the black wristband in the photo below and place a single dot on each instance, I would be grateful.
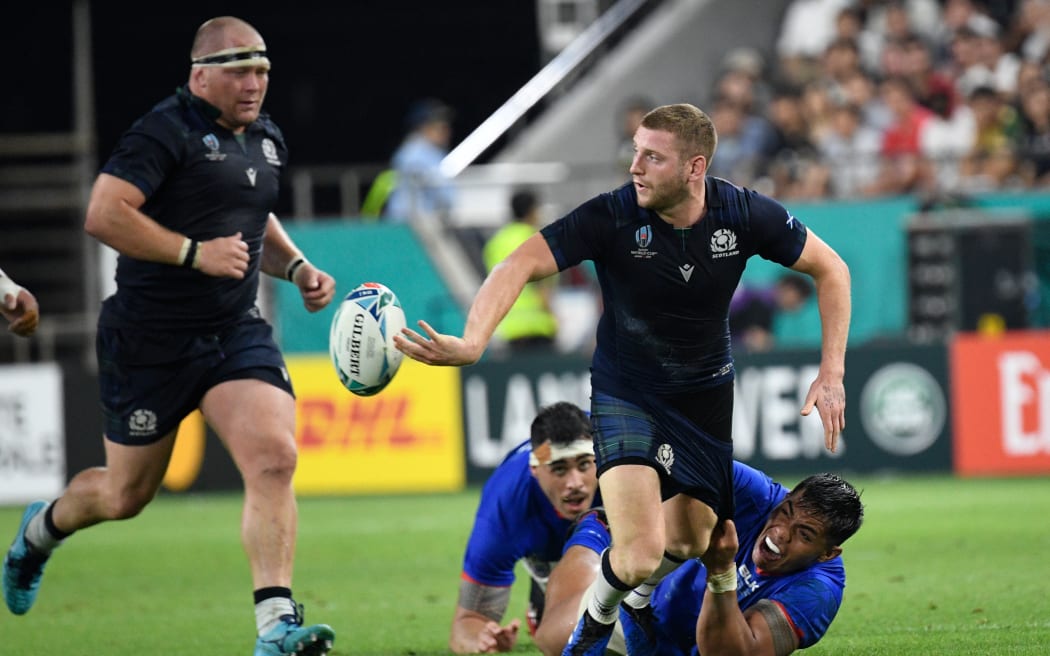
(289, 273)
(191, 254)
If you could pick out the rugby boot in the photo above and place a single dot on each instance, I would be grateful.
(291, 637)
(590, 638)
(23, 566)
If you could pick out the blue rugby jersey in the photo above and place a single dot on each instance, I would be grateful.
(203, 181)
(514, 520)
(666, 291)
(810, 598)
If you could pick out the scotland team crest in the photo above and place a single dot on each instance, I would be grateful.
(643, 236)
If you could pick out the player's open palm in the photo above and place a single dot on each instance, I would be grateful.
(224, 257)
(436, 348)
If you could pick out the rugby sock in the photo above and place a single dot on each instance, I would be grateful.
(41, 532)
(270, 605)
(608, 591)
(639, 597)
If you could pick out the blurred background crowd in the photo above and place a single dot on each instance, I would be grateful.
(877, 97)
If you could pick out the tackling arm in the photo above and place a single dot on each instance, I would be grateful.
(475, 626)
(721, 627)
(568, 582)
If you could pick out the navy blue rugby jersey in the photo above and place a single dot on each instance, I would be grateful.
(203, 181)
(666, 291)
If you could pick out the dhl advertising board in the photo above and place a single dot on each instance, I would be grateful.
(407, 438)
(1001, 403)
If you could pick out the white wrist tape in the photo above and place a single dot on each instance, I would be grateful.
(8, 286)
(724, 582)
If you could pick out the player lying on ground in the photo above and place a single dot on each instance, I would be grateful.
(526, 512)
(771, 582)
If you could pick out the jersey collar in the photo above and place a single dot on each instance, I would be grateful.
(209, 110)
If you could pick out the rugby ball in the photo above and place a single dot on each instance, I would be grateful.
(361, 341)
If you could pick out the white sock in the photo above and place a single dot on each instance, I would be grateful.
(37, 534)
(639, 597)
(605, 598)
(268, 613)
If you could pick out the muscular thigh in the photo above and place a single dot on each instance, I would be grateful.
(253, 418)
(689, 458)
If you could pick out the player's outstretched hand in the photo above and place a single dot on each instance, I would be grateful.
(224, 257)
(316, 287)
(828, 396)
(21, 311)
(495, 638)
(723, 547)
(436, 348)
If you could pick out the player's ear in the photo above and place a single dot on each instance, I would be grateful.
(831, 552)
(698, 167)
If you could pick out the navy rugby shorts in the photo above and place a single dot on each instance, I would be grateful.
(150, 380)
(688, 444)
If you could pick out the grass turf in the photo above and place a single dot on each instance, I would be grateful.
(941, 566)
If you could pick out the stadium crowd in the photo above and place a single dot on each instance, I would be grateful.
(882, 97)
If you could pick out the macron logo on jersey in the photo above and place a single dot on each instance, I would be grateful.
(687, 271)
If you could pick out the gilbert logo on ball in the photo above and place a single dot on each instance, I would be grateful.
(361, 342)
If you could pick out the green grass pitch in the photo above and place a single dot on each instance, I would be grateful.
(941, 566)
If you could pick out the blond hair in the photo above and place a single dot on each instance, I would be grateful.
(691, 127)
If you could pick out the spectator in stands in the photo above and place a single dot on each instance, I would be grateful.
(805, 32)
(530, 324)
(792, 155)
(954, 16)
(628, 119)
(991, 58)
(743, 140)
(841, 61)
(904, 167)
(18, 306)
(933, 89)
(1032, 30)
(753, 310)
(420, 189)
(850, 150)
(992, 162)
(1033, 140)
(742, 80)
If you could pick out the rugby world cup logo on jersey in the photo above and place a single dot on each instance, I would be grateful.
(211, 142)
(723, 243)
(643, 237)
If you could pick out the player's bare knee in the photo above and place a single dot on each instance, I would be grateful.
(638, 561)
(275, 465)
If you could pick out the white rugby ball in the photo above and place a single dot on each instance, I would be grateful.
(361, 341)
